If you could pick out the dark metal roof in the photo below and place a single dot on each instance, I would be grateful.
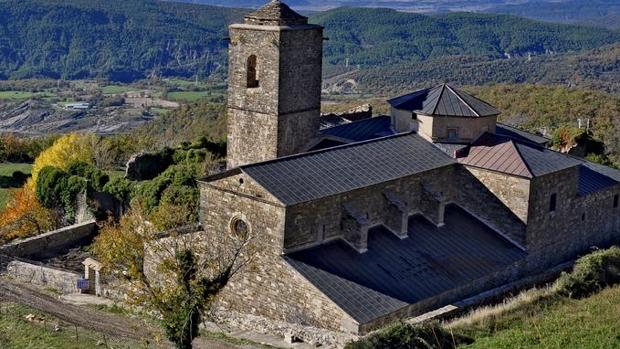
(275, 13)
(451, 149)
(398, 272)
(443, 100)
(332, 121)
(506, 155)
(520, 135)
(602, 169)
(362, 130)
(318, 174)
(591, 181)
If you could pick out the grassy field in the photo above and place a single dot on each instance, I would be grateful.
(555, 323)
(45, 331)
(7, 169)
(187, 96)
(15, 95)
(116, 89)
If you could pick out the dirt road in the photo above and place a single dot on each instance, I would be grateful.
(85, 317)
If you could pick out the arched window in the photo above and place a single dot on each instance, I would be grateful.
(252, 72)
(239, 227)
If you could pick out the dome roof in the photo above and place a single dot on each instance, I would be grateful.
(275, 13)
(444, 100)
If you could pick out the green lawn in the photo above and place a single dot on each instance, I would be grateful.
(116, 89)
(181, 82)
(20, 95)
(16, 332)
(7, 168)
(591, 323)
(187, 96)
(15, 95)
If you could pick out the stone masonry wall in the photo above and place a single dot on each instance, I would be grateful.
(301, 58)
(479, 200)
(318, 221)
(513, 191)
(269, 287)
(436, 128)
(282, 114)
(61, 280)
(578, 223)
(251, 137)
(49, 243)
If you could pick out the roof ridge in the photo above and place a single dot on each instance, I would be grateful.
(410, 94)
(443, 89)
(352, 144)
(355, 122)
(463, 100)
(527, 166)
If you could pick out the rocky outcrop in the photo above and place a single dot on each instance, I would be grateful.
(146, 166)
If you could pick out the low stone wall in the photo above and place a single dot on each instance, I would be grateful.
(40, 275)
(48, 244)
(232, 321)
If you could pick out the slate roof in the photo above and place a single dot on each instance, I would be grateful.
(507, 155)
(313, 175)
(362, 130)
(451, 149)
(394, 272)
(591, 181)
(275, 13)
(444, 100)
(513, 132)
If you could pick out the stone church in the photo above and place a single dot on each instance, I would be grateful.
(363, 223)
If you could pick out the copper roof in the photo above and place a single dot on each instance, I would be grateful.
(507, 155)
(275, 13)
(444, 100)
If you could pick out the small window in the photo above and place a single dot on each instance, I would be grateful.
(583, 217)
(240, 228)
(252, 71)
(453, 133)
(616, 200)
(553, 202)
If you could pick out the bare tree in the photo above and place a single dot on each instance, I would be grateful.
(177, 273)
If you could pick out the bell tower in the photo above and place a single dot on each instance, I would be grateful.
(274, 93)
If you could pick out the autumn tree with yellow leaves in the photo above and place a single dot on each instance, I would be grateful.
(24, 215)
(171, 269)
(66, 150)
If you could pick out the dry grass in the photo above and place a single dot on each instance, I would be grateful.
(488, 314)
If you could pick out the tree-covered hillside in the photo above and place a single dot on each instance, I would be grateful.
(116, 39)
(604, 13)
(597, 69)
(376, 37)
(133, 39)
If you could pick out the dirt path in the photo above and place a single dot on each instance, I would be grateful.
(88, 318)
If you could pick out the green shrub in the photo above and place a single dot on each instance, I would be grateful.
(96, 178)
(57, 189)
(591, 274)
(176, 180)
(405, 336)
(120, 188)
